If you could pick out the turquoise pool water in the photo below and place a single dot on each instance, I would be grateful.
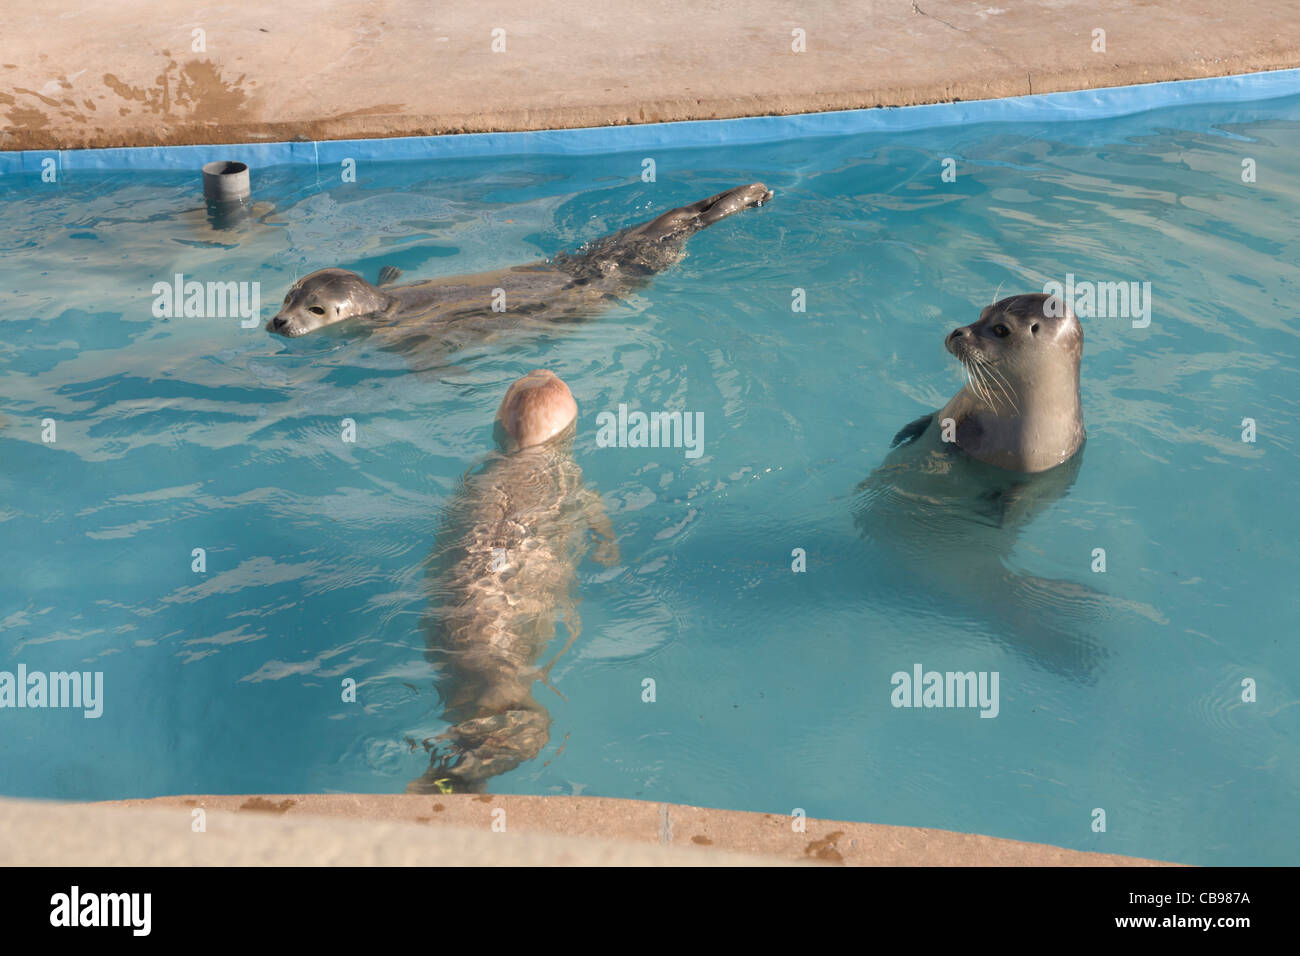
(772, 688)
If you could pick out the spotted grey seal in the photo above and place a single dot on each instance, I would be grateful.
(950, 499)
(503, 568)
(566, 286)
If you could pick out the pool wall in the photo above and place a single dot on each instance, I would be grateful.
(1051, 107)
(163, 72)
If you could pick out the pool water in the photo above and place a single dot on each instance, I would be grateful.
(772, 689)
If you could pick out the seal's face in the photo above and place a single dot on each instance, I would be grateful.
(1017, 342)
(323, 298)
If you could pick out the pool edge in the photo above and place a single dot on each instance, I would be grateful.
(114, 79)
(1073, 106)
(601, 830)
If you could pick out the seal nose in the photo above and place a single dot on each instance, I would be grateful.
(956, 334)
(279, 323)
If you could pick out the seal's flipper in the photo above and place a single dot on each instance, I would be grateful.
(994, 506)
(912, 431)
(687, 220)
(601, 529)
(623, 260)
(388, 275)
(476, 750)
(573, 624)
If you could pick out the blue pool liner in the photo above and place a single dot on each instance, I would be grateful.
(1043, 107)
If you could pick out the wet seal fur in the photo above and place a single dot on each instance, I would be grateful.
(503, 569)
(568, 286)
(949, 513)
(1020, 409)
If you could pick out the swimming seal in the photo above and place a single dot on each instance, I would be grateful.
(503, 568)
(567, 286)
(948, 502)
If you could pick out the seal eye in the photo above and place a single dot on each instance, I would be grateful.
(1001, 331)
(316, 310)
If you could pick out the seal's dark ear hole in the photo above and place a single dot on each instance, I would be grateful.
(1034, 327)
(316, 310)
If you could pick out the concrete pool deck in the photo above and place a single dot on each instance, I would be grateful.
(394, 830)
(76, 73)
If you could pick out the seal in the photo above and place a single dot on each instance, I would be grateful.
(949, 501)
(503, 568)
(570, 285)
(1020, 407)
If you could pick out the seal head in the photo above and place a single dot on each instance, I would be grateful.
(536, 408)
(1020, 409)
(324, 298)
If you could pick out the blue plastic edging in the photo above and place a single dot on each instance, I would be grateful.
(1102, 103)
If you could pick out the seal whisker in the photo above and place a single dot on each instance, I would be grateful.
(993, 379)
(970, 377)
(997, 379)
(1002, 390)
(986, 387)
(1007, 389)
(994, 389)
(975, 376)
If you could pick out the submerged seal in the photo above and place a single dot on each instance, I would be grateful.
(569, 285)
(948, 513)
(502, 570)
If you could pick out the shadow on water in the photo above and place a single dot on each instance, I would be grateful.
(947, 525)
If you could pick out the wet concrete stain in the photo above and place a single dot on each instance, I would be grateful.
(702, 840)
(30, 119)
(40, 96)
(197, 89)
(190, 102)
(266, 806)
(383, 109)
(193, 96)
(824, 849)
